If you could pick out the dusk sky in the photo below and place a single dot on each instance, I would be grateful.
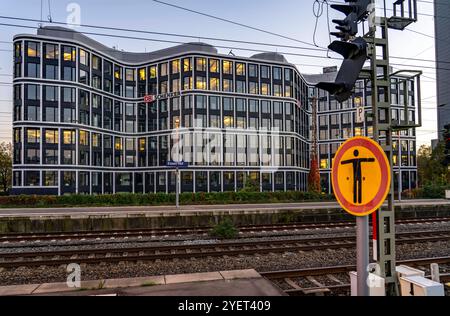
(291, 18)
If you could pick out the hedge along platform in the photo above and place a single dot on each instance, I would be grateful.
(139, 217)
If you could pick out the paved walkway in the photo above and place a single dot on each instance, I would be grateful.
(158, 210)
(221, 283)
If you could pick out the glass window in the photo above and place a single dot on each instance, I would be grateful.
(240, 105)
(214, 103)
(32, 178)
(68, 115)
(163, 69)
(69, 73)
(96, 62)
(51, 136)
(227, 85)
(252, 70)
(51, 51)
(152, 72)
(276, 73)
(200, 64)
(51, 72)
(33, 92)
(142, 74)
(51, 177)
(228, 121)
(240, 86)
(69, 53)
(214, 84)
(240, 69)
(253, 87)
(51, 93)
(34, 70)
(227, 67)
(33, 113)
(51, 114)
(265, 88)
(68, 95)
(84, 57)
(129, 74)
(265, 72)
(227, 104)
(68, 137)
(33, 49)
(187, 65)
(175, 66)
(200, 83)
(33, 136)
(214, 65)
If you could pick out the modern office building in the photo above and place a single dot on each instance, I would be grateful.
(442, 43)
(337, 122)
(91, 119)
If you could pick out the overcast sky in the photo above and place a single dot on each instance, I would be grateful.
(291, 18)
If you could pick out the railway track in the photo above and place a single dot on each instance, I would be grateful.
(197, 250)
(332, 280)
(155, 232)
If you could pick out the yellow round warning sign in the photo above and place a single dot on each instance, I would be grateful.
(360, 176)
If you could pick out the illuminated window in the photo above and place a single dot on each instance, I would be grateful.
(200, 64)
(69, 53)
(214, 84)
(84, 57)
(152, 72)
(142, 74)
(51, 136)
(68, 137)
(358, 131)
(129, 74)
(117, 72)
(175, 66)
(33, 49)
(265, 90)
(187, 65)
(228, 121)
(142, 144)
(240, 69)
(228, 67)
(324, 164)
(51, 51)
(84, 138)
(200, 83)
(33, 136)
(118, 143)
(175, 86)
(214, 65)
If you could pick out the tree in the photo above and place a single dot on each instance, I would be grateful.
(314, 177)
(430, 167)
(5, 166)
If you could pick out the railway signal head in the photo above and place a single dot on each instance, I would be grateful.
(355, 11)
(355, 55)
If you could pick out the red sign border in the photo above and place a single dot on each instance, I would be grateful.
(380, 197)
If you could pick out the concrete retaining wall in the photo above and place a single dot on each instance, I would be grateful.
(58, 223)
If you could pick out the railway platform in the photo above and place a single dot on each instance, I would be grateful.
(221, 283)
(26, 220)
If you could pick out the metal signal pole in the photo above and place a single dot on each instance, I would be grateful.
(380, 79)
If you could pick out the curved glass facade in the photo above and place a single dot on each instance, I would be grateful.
(88, 119)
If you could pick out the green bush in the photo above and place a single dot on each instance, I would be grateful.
(225, 229)
(123, 199)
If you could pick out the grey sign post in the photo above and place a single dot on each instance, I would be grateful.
(362, 254)
(177, 165)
